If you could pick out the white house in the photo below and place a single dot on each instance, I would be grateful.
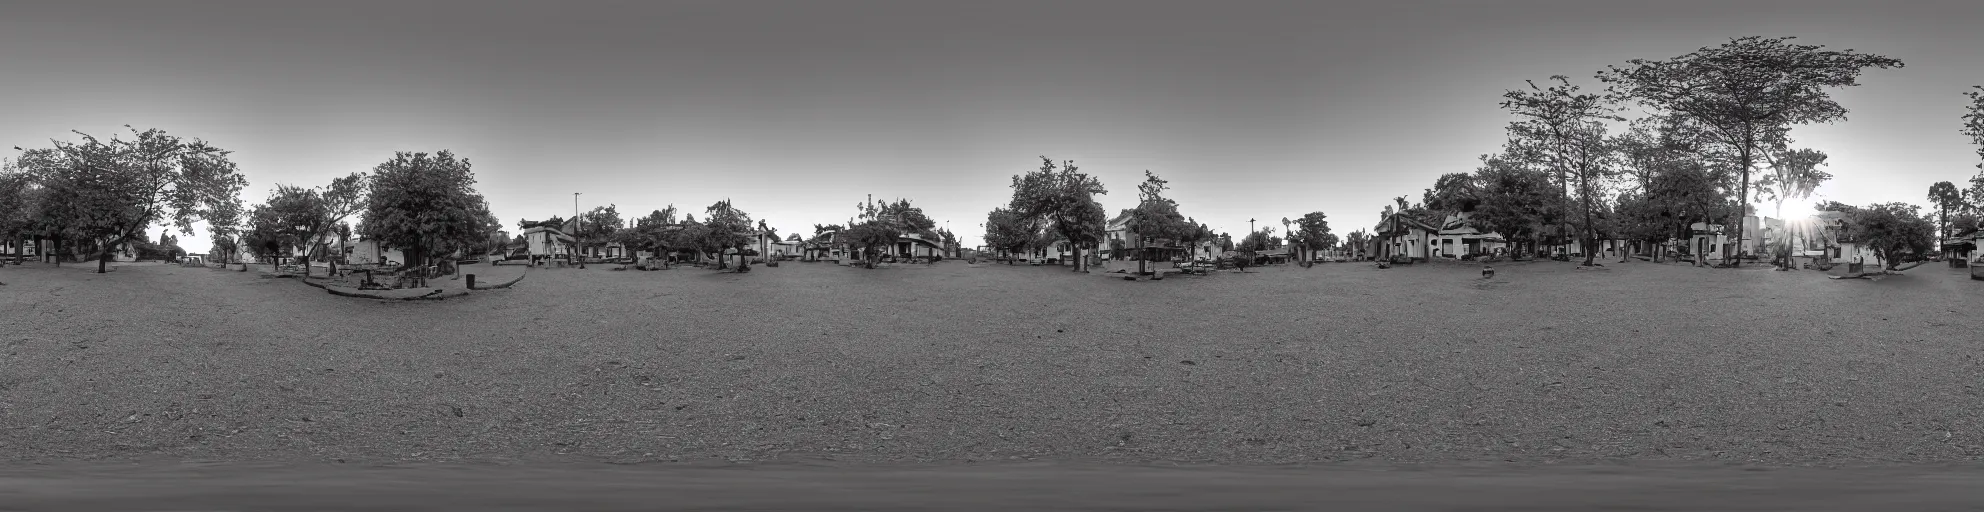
(790, 247)
(1707, 242)
(1459, 236)
(371, 252)
(548, 241)
(1405, 237)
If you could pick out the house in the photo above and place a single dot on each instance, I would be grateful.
(371, 252)
(792, 246)
(1403, 236)
(1458, 236)
(548, 241)
(1707, 242)
(825, 246)
(918, 245)
(1117, 232)
(763, 241)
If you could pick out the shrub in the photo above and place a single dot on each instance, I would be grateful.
(936, 258)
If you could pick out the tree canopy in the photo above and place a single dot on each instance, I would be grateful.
(111, 192)
(1064, 199)
(1157, 217)
(425, 205)
(1746, 93)
(1892, 230)
(881, 224)
(302, 216)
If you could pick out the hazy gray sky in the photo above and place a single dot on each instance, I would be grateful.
(799, 109)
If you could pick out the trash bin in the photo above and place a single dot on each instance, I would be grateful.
(1855, 268)
(471, 280)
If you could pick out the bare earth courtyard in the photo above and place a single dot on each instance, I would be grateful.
(955, 363)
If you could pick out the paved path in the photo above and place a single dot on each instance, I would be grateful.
(177, 487)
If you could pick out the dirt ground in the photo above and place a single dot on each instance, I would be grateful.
(1341, 364)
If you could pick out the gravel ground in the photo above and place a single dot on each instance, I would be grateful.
(957, 363)
(998, 487)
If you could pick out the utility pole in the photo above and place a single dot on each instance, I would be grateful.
(578, 225)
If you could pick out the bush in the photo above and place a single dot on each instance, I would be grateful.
(936, 258)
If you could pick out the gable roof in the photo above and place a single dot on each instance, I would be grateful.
(1403, 222)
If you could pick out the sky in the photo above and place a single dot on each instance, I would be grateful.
(798, 110)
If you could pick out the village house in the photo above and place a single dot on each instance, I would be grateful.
(791, 247)
(825, 247)
(548, 242)
(1458, 236)
(1403, 237)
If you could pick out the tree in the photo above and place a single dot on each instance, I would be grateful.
(1794, 175)
(1454, 193)
(224, 221)
(1155, 218)
(1006, 230)
(692, 236)
(1562, 130)
(1515, 200)
(555, 222)
(1946, 199)
(19, 194)
(1313, 232)
(111, 192)
(1892, 230)
(726, 228)
(596, 227)
(1063, 199)
(425, 206)
(655, 232)
(1747, 92)
(307, 216)
(1973, 128)
(882, 225)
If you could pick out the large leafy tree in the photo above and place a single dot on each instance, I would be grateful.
(1563, 131)
(1062, 198)
(19, 194)
(1453, 193)
(1312, 232)
(1516, 201)
(266, 237)
(111, 192)
(1893, 230)
(1357, 241)
(1156, 217)
(725, 227)
(426, 206)
(1947, 199)
(1006, 230)
(1747, 93)
(224, 224)
(878, 225)
(655, 232)
(306, 217)
(1973, 129)
(596, 227)
(1793, 175)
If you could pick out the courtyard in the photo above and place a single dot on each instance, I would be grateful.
(954, 363)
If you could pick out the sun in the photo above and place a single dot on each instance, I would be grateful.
(1800, 207)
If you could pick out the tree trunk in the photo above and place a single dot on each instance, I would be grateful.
(1743, 196)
